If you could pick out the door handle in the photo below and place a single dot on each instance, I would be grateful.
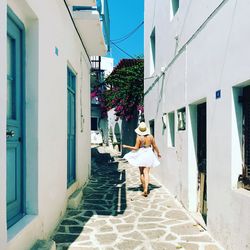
(10, 133)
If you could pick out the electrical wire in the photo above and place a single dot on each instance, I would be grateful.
(77, 31)
(125, 37)
(122, 50)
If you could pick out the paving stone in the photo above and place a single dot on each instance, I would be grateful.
(75, 230)
(124, 228)
(106, 238)
(171, 222)
(170, 204)
(163, 246)
(128, 244)
(106, 229)
(61, 229)
(88, 213)
(82, 248)
(185, 229)
(115, 221)
(203, 238)
(69, 222)
(96, 224)
(170, 237)
(150, 219)
(152, 213)
(212, 247)
(87, 230)
(83, 238)
(176, 214)
(62, 247)
(82, 219)
(44, 245)
(73, 212)
(163, 209)
(142, 226)
(154, 234)
(189, 246)
(134, 235)
(64, 238)
(130, 219)
(113, 214)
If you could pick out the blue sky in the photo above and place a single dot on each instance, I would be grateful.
(125, 16)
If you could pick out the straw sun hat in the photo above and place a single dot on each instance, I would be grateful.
(142, 129)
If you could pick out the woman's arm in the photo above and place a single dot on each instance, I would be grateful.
(156, 148)
(137, 145)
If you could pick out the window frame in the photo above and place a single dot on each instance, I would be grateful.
(152, 51)
(174, 7)
(171, 129)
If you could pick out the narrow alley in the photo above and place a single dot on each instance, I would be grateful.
(114, 215)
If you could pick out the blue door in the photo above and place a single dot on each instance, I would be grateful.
(71, 157)
(14, 134)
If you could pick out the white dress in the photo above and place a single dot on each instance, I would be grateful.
(143, 157)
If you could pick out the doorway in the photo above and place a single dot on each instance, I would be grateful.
(71, 138)
(15, 125)
(202, 158)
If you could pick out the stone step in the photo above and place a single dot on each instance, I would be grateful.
(44, 245)
(75, 199)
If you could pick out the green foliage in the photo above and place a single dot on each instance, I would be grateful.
(124, 91)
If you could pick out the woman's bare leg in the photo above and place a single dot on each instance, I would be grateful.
(142, 179)
(146, 180)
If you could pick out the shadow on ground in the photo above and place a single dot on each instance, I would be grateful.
(105, 194)
(139, 188)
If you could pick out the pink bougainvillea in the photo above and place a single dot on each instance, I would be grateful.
(124, 91)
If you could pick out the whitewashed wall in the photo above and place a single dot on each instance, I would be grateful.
(114, 126)
(46, 117)
(215, 58)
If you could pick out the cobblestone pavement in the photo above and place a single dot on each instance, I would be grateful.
(114, 215)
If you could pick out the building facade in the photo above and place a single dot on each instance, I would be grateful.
(101, 68)
(44, 110)
(196, 67)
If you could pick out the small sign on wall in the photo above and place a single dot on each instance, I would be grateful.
(218, 94)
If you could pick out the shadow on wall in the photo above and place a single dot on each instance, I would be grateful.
(128, 133)
(117, 142)
(105, 194)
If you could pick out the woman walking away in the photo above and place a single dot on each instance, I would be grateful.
(142, 154)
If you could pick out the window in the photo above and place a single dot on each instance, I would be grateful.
(171, 129)
(94, 123)
(152, 54)
(174, 7)
(181, 114)
(152, 127)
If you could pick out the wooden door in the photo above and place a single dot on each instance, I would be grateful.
(14, 135)
(71, 157)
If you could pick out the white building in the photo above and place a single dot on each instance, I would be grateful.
(102, 67)
(44, 110)
(197, 68)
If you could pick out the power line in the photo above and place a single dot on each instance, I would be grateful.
(122, 50)
(125, 37)
(77, 31)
